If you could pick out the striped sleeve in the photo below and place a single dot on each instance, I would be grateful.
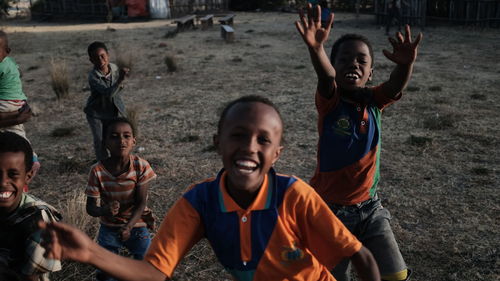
(146, 173)
(93, 184)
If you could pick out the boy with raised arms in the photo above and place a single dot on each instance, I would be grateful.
(349, 128)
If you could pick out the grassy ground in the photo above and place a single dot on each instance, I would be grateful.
(440, 162)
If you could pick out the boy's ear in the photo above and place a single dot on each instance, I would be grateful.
(215, 139)
(29, 176)
(371, 75)
(7, 50)
(278, 154)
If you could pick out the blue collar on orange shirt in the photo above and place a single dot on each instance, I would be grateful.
(262, 201)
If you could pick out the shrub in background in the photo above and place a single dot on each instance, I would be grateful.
(171, 63)
(59, 78)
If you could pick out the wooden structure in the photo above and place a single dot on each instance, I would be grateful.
(227, 20)
(180, 8)
(413, 11)
(101, 9)
(227, 33)
(469, 12)
(185, 22)
(74, 9)
(466, 12)
(207, 21)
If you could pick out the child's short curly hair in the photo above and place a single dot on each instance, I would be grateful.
(350, 37)
(96, 45)
(11, 142)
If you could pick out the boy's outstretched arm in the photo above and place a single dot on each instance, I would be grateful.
(404, 54)
(315, 36)
(63, 241)
(365, 265)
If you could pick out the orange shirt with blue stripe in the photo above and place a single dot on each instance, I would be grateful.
(122, 188)
(348, 158)
(287, 233)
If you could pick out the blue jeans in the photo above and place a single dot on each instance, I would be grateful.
(137, 244)
(369, 222)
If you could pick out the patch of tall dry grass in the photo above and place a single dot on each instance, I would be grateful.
(133, 114)
(59, 78)
(74, 212)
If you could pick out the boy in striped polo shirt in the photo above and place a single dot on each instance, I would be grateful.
(121, 183)
(349, 116)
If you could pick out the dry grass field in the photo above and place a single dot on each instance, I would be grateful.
(440, 159)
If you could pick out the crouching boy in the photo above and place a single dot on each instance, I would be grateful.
(20, 237)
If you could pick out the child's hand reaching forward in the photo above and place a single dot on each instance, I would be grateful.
(404, 51)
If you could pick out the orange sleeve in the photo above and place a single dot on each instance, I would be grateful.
(180, 230)
(381, 100)
(323, 233)
(324, 105)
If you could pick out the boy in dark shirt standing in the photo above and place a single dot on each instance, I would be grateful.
(104, 103)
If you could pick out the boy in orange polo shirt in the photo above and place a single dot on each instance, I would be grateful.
(260, 224)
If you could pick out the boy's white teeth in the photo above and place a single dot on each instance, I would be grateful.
(246, 164)
(5, 194)
(352, 75)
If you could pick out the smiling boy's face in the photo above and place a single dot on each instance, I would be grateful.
(353, 65)
(13, 177)
(100, 58)
(249, 144)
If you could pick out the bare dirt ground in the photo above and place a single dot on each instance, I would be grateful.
(440, 159)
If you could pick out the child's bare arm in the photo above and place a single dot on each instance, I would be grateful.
(15, 118)
(365, 265)
(404, 54)
(315, 36)
(141, 198)
(62, 241)
(99, 211)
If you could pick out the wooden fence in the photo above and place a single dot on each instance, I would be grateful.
(180, 8)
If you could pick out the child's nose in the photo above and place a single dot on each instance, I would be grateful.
(3, 180)
(353, 64)
(251, 145)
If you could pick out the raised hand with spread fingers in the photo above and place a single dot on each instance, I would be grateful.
(314, 35)
(404, 54)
